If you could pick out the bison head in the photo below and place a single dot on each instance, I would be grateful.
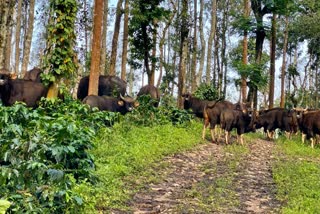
(128, 103)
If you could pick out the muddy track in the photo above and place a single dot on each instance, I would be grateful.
(251, 184)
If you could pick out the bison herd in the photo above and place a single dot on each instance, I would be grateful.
(236, 116)
(112, 97)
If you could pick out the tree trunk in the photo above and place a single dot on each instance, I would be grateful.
(211, 38)
(154, 52)
(203, 45)
(28, 39)
(7, 60)
(115, 38)
(17, 37)
(245, 54)
(284, 62)
(272, 59)
(194, 49)
(161, 43)
(104, 38)
(96, 45)
(125, 41)
(4, 20)
(183, 51)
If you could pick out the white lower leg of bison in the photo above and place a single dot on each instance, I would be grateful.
(312, 142)
(203, 132)
(241, 139)
(288, 135)
(227, 137)
(212, 135)
(303, 137)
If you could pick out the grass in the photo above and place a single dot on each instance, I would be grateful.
(126, 152)
(296, 172)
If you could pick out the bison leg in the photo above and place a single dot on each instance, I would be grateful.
(240, 139)
(288, 134)
(312, 142)
(227, 136)
(212, 135)
(303, 137)
(205, 125)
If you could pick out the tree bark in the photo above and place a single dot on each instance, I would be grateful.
(183, 51)
(272, 59)
(104, 38)
(17, 37)
(115, 38)
(245, 54)
(125, 40)
(96, 45)
(4, 20)
(28, 39)
(194, 49)
(203, 45)
(284, 62)
(211, 38)
(161, 43)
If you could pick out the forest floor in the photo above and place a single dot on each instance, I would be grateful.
(212, 178)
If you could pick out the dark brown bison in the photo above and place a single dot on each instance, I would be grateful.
(108, 85)
(236, 118)
(195, 104)
(106, 103)
(13, 90)
(33, 75)
(211, 115)
(283, 119)
(152, 91)
(309, 124)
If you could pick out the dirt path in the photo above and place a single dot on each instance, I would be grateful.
(190, 183)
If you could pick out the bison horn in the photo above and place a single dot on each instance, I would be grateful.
(122, 97)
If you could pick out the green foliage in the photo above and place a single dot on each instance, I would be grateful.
(207, 92)
(44, 154)
(143, 23)
(59, 57)
(4, 205)
(148, 115)
(296, 172)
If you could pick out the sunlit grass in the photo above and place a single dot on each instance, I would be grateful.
(296, 172)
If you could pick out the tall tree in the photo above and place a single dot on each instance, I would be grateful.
(245, 51)
(96, 45)
(203, 45)
(28, 39)
(284, 62)
(114, 50)
(142, 30)
(184, 32)
(272, 59)
(59, 54)
(194, 48)
(17, 36)
(125, 41)
(211, 38)
(103, 57)
(5, 7)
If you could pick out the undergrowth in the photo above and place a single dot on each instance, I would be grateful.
(296, 172)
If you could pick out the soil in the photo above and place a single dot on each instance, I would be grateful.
(184, 183)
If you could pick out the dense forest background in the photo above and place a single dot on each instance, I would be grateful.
(260, 51)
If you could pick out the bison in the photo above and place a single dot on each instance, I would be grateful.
(106, 103)
(235, 118)
(33, 75)
(195, 104)
(283, 119)
(14, 90)
(309, 124)
(211, 115)
(108, 85)
(152, 91)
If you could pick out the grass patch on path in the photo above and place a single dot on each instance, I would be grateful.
(296, 172)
